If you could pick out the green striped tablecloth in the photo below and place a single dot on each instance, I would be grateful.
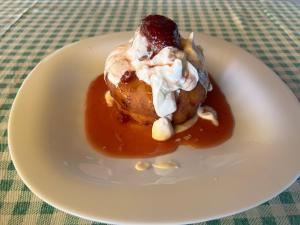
(30, 30)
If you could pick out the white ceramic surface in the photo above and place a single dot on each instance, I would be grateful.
(51, 154)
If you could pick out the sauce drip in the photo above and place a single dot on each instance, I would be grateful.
(127, 139)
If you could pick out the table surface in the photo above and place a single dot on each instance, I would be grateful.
(30, 30)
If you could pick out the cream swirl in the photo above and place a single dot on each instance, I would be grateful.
(168, 72)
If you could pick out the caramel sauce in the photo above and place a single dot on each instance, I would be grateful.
(127, 139)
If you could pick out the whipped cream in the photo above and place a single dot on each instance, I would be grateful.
(186, 125)
(165, 165)
(165, 75)
(142, 165)
(117, 64)
(196, 57)
(159, 165)
(208, 113)
(168, 72)
(162, 129)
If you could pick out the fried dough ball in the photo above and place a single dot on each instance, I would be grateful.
(133, 97)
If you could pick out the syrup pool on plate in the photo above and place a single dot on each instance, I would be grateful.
(114, 134)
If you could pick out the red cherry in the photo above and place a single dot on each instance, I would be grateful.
(160, 32)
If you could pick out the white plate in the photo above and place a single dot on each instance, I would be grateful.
(51, 154)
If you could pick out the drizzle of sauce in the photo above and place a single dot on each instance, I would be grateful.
(111, 134)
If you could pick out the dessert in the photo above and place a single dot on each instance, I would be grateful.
(155, 95)
(158, 77)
